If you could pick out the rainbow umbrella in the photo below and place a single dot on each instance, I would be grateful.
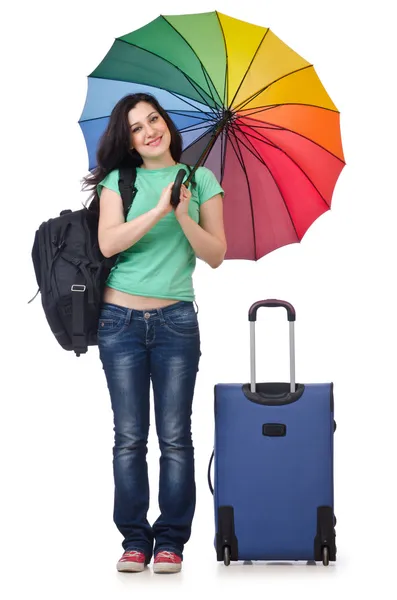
(247, 106)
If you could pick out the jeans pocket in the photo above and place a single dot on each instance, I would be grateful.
(183, 321)
(110, 322)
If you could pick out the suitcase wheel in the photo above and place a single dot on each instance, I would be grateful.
(226, 555)
(325, 556)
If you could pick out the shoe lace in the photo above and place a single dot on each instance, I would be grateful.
(133, 553)
(167, 554)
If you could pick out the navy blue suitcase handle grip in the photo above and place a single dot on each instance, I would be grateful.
(209, 474)
(272, 304)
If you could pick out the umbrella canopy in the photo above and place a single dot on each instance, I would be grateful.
(247, 106)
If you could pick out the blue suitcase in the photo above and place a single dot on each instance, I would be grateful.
(273, 465)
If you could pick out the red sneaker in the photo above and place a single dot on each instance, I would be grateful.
(132, 561)
(167, 562)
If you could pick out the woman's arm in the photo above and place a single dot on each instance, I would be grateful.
(208, 238)
(114, 234)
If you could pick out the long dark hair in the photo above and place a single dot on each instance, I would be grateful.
(114, 149)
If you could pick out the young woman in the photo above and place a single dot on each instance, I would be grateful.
(148, 328)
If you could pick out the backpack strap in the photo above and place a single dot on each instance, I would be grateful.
(127, 177)
(83, 283)
(79, 335)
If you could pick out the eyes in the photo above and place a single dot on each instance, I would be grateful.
(151, 120)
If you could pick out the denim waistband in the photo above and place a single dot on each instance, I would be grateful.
(132, 313)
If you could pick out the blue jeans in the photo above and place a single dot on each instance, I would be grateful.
(136, 347)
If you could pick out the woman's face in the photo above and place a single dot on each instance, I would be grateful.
(150, 135)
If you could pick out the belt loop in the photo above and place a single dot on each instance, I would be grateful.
(196, 305)
(128, 317)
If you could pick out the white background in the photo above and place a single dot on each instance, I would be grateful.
(56, 430)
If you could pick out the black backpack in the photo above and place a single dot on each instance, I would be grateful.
(71, 271)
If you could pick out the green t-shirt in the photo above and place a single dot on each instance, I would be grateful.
(161, 263)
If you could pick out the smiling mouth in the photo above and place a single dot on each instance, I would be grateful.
(154, 142)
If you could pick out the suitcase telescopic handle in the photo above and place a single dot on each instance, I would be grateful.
(291, 318)
(272, 304)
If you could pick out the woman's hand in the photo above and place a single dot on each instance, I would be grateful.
(183, 207)
(164, 205)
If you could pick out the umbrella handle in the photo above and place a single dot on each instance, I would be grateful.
(176, 190)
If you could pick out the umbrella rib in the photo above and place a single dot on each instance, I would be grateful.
(225, 87)
(211, 120)
(202, 158)
(208, 79)
(259, 109)
(275, 182)
(207, 151)
(241, 161)
(198, 139)
(178, 96)
(265, 140)
(253, 151)
(280, 128)
(202, 66)
(193, 128)
(183, 114)
(238, 155)
(181, 97)
(256, 94)
(223, 153)
(94, 119)
(262, 108)
(189, 79)
(250, 65)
